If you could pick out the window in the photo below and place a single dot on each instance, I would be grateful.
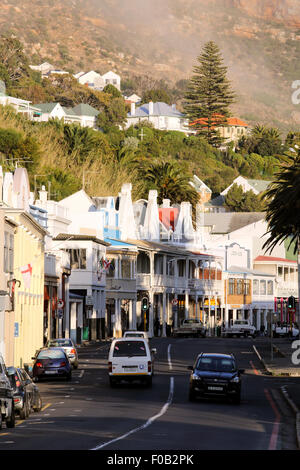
(129, 349)
(158, 264)
(231, 287)
(247, 287)
(181, 268)
(170, 266)
(77, 258)
(240, 289)
(255, 287)
(262, 288)
(8, 253)
(270, 288)
(125, 267)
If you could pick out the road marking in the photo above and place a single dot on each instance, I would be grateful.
(256, 372)
(81, 374)
(148, 423)
(169, 357)
(5, 434)
(46, 406)
(275, 430)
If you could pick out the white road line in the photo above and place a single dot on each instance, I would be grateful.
(81, 374)
(169, 357)
(150, 420)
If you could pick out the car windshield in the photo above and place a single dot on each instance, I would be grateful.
(51, 354)
(129, 349)
(60, 343)
(219, 364)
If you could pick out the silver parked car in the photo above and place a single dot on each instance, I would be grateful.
(68, 346)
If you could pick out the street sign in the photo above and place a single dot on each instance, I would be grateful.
(60, 313)
(89, 300)
(60, 303)
(174, 302)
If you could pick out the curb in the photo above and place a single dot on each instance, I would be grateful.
(267, 370)
(295, 409)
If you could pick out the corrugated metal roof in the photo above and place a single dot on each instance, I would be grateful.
(159, 109)
(226, 222)
(72, 237)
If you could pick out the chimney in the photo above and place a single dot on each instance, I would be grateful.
(166, 203)
(132, 109)
(174, 107)
(150, 108)
(43, 195)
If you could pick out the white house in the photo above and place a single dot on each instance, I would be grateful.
(160, 115)
(82, 114)
(20, 106)
(111, 78)
(247, 184)
(91, 79)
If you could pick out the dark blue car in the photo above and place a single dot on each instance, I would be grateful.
(51, 362)
(215, 375)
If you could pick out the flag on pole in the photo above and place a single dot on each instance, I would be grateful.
(26, 272)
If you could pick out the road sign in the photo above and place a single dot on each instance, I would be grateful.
(89, 301)
(60, 313)
(60, 303)
(16, 330)
(174, 302)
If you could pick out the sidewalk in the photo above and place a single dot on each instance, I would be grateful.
(281, 366)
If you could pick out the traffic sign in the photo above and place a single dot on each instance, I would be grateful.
(174, 302)
(60, 303)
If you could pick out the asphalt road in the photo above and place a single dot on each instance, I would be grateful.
(86, 414)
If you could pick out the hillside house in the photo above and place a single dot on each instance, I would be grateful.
(160, 115)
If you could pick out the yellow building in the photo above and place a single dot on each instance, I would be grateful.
(27, 318)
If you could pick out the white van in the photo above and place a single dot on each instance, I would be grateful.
(136, 334)
(130, 359)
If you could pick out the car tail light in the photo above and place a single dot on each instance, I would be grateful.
(18, 383)
(149, 366)
(72, 351)
(110, 367)
(17, 400)
(39, 364)
(63, 364)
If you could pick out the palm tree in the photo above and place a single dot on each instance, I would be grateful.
(283, 197)
(171, 181)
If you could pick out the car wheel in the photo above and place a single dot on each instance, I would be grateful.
(237, 399)
(24, 411)
(192, 396)
(69, 376)
(39, 405)
(112, 382)
(149, 382)
(10, 423)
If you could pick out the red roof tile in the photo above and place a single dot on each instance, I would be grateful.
(272, 258)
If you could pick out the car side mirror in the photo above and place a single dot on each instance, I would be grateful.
(190, 368)
(154, 351)
(241, 371)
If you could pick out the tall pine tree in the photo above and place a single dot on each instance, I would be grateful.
(209, 95)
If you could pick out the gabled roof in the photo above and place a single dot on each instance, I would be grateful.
(221, 121)
(159, 109)
(78, 237)
(259, 185)
(83, 109)
(227, 222)
(46, 107)
(217, 201)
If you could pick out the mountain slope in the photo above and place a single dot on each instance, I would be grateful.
(259, 41)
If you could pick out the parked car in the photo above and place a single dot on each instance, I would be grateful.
(68, 346)
(51, 362)
(136, 334)
(26, 393)
(215, 375)
(190, 327)
(240, 328)
(130, 359)
(7, 407)
(281, 329)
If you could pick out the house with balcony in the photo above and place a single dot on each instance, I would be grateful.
(20, 106)
(86, 282)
